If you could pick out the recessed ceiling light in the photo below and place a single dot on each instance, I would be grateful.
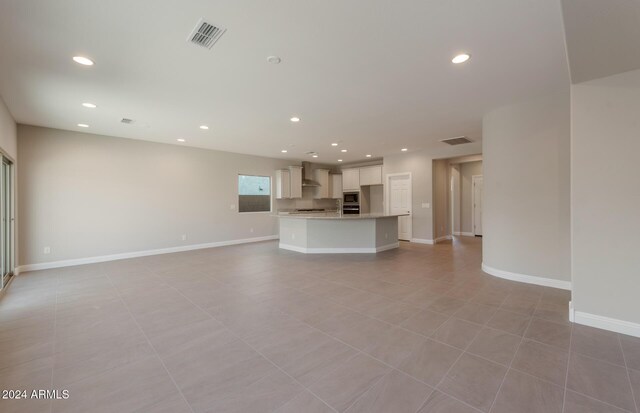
(83, 125)
(343, 150)
(368, 156)
(274, 60)
(334, 144)
(180, 140)
(83, 60)
(315, 156)
(339, 160)
(404, 149)
(461, 58)
(295, 119)
(284, 151)
(204, 127)
(89, 105)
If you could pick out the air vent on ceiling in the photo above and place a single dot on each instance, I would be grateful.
(205, 34)
(456, 141)
(127, 121)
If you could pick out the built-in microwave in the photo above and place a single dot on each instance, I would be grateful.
(351, 198)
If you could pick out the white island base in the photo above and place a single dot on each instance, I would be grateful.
(335, 234)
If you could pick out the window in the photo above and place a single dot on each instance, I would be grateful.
(254, 193)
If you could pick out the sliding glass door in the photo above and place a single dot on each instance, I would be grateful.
(6, 221)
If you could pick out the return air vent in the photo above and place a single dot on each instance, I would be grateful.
(205, 34)
(127, 121)
(456, 141)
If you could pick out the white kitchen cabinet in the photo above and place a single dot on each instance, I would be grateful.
(371, 175)
(283, 184)
(351, 179)
(335, 186)
(295, 176)
(321, 176)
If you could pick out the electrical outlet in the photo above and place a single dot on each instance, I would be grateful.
(293, 236)
(251, 230)
(47, 250)
(184, 237)
(386, 236)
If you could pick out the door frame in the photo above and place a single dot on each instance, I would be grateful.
(11, 222)
(387, 198)
(474, 178)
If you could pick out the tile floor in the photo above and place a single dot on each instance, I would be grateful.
(252, 328)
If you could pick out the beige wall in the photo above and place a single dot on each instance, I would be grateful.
(605, 188)
(454, 173)
(8, 132)
(467, 171)
(419, 164)
(86, 195)
(526, 188)
(440, 198)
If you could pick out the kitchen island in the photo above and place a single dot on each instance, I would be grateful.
(334, 233)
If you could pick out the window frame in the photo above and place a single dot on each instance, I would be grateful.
(270, 194)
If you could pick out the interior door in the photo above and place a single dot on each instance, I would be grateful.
(400, 203)
(477, 205)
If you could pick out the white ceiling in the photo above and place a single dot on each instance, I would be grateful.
(603, 37)
(374, 75)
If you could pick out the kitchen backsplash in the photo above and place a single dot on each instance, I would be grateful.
(305, 202)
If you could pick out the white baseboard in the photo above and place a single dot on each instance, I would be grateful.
(431, 241)
(572, 315)
(136, 254)
(388, 246)
(422, 241)
(607, 323)
(529, 279)
(464, 234)
(339, 250)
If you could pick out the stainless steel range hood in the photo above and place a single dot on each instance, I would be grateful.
(307, 175)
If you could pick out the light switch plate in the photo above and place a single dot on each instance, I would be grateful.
(425, 205)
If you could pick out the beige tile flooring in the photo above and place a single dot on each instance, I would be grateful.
(252, 328)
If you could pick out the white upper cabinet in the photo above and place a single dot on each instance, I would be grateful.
(335, 186)
(351, 179)
(283, 184)
(295, 173)
(371, 175)
(321, 176)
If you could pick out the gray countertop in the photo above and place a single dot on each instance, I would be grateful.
(334, 215)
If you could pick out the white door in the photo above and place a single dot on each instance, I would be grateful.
(477, 204)
(400, 203)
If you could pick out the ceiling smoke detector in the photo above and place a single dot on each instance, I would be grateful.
(127, 121)
(205, 34)
(456, 141)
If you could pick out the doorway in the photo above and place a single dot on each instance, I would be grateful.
(6, 221)
(399, 202)
(477, 205)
